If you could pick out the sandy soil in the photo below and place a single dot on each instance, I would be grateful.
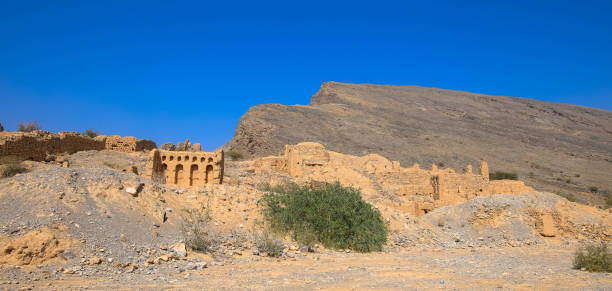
(501, 268)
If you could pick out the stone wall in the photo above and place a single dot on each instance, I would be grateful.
(415, 190)
(37, 144)
(185, 168)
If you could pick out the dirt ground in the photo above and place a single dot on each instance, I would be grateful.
(536, 268)
(78, 228)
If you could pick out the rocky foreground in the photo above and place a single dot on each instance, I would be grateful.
(81, 222)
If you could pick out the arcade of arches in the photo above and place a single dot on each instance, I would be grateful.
(185, 168)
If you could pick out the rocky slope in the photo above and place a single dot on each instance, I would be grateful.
(83, 222)
(552, 146)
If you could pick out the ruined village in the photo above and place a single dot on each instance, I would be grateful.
(92, 212)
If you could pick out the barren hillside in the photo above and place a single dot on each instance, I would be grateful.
(552, 146)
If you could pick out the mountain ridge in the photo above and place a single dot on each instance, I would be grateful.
(553, 146)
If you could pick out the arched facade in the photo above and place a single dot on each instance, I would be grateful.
(186, 168)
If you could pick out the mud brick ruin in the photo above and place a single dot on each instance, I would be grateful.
(418, 190)
(184, 168)
(128, 144)
(37, 145)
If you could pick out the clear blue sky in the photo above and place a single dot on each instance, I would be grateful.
(170, 70)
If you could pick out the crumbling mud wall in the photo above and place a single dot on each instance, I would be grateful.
(127, 144)
(185, 168)
(37, 144)
(415, 190)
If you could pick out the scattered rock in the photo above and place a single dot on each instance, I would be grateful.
(201, 265)
(94, 261)
(180, 250)
(164, 258)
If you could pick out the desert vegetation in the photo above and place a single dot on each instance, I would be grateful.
(333, 215)
(500, 175)
(266, 242)
(29, 126)
(10, 166)
(593, 258)
(234, 155)
(91, 133)
(197, 233)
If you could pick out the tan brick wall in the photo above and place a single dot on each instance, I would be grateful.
(37, 144)
(185, 168)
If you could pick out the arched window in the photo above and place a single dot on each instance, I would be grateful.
(209, 173)
(193, 175)
(178, 174)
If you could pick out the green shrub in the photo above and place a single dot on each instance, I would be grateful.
(594, 258)
(29, 126)
(267, 243)
(499, 175)
(91, 133)
(196, 230)
(235, 155)
(593, 189)
(333, 215)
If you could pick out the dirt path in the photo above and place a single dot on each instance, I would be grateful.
(502, 268)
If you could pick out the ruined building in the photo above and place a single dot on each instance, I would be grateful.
(38, 144)
(185, 168)
(415, 190)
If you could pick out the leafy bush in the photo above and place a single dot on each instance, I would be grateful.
(1, 128)
(91, 133)
(267, 243)
(499, 175)
(235, 155)
(333, 215)
(10, 166)
(593, 189)
(594, 258)
(29, 126)
(196, 230)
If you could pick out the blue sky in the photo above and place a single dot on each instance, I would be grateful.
(171, 70)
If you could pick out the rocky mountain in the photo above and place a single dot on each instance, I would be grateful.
(552, 146)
